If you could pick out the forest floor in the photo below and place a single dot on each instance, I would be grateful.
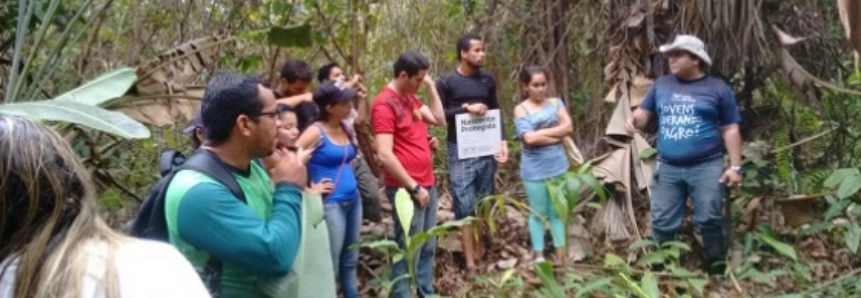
(762, 268)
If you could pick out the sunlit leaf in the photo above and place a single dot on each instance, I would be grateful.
(849, 186)
(642, 243)
(103, 88)
(649, 285)
(838, 176)
(406, 210)
(655, 257)
(594, 285)
(782, 248)
(852, 237)
(78, 113)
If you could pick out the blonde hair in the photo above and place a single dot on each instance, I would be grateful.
(49, 215)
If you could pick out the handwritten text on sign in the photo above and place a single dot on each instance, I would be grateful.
(478, 135)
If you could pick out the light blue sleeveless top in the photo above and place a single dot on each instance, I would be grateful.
(541, 162)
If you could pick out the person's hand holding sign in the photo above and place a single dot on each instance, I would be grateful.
(477, 109)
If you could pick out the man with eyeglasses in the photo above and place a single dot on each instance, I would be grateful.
(254, 238)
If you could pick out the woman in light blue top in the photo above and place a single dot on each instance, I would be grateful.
(541, 123)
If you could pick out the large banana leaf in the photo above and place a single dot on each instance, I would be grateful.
(106, 87)
(79, 113)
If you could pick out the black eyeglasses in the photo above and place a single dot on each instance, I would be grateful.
(279, 109)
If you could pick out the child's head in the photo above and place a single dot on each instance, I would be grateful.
(289, 130)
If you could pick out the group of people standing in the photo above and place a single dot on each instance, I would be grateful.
(284, 143)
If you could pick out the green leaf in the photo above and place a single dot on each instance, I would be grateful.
(544, 270)
(655, 257)
(779, 246)
(649, 285)
(613, 260)
(594, 285)
(681, 272)
(78, 113)
(406, 210)
(298, 36)
(676, 244)
(838, 176)
(853, 237)
(641, 243)
(106, 87)
(698, 284)
(849, 186)
(646, 154)
(381, 245)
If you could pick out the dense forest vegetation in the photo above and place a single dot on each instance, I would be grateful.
(797, 225)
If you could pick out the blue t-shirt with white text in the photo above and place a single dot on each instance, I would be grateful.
(690, 114)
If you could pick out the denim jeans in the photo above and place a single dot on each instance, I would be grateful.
(423, 219)
(671, 187)
(344, 220)
(469, 179)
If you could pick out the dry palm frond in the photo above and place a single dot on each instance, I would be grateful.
(165, 90)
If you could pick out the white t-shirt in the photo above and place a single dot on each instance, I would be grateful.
(145, 269)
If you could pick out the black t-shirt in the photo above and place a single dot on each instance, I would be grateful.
(306, 112)
(456, 89)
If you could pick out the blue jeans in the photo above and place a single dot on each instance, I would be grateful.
(423, 219)
(344, 220)
(469, 178)
(671, 187)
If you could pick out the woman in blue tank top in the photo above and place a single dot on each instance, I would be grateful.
(331, 162)
(541, 124)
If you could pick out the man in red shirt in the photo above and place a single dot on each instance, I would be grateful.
(399, 120)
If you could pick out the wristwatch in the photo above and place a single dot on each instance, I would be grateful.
(416, 189)
(737, 169)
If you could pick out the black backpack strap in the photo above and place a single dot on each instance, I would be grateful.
(168, 160)
(207, 163)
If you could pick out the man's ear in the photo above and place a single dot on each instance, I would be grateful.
(243, 124)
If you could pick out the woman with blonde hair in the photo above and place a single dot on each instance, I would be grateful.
(52, 241)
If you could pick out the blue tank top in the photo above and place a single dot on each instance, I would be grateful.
(327, 161)
(541, 162)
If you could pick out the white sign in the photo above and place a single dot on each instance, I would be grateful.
(478, 135)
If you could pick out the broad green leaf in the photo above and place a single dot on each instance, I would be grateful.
(298, 36)
(613, 260)
(104, 88)
(779, 246)
(594, 285)
(852, 237)
(698, 284)
(646, 154)
(596, 186)
(838, 176)
(382, 245)
(676, 244)
(681, 272)
(506, 276)
(544, 270)
(649, 285)
(641, 243)
(849, 186)
(78, 113)
(406, 210)
(655, 257)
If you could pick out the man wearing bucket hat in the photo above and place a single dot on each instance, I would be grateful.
(698, 122)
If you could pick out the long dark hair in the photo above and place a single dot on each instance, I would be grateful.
(526, 75)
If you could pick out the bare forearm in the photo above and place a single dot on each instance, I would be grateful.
(556, 132)
(293, 100)
(393, 167)
(732, 141)
(539, 139)
(436, 107)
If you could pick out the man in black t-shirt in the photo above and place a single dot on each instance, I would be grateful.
(468, 89)
(294, 89)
